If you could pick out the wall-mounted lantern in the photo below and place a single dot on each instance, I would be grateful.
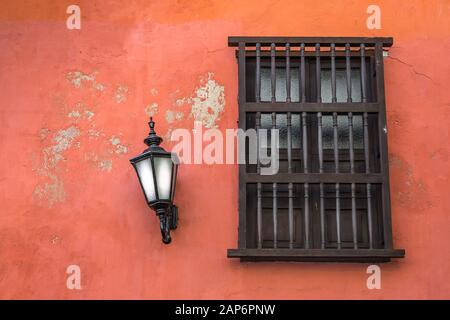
(157, 172)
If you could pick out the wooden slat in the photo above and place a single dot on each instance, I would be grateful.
(305, 143)
(233, 41)
(318, 76)
(322, 205)
(306, 215)
(348, 72)
(354, 222)
(363, 74)
(259, 215)
(333, 73)
(338, 216)
(291, 215)
(360, 255)
(288, 73)
(314, 178)
(310, 107)
(302, 74)
(273, 81)
(274, 215)
(258, 73)
(289, 141)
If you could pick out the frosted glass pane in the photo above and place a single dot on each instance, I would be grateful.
(281, 125)
(343, 132)
(163, 170)
(280, 87)
(341, 85)
(144, 169)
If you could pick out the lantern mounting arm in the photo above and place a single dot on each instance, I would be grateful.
(168, 219)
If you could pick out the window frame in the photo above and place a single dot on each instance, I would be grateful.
(375, 58)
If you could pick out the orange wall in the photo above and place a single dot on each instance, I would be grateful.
(74, 107)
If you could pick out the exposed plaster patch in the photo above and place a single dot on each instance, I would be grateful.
(170, 116)
(53, 190)
(88, 114)
(151, 109)
(208, 102)
(74, 114)
(179, 115)
(410, 190)
(77, 78)
(105, 165)
(181, 102)
(93, 133)
(154, 91)
(119, 148)
(121, 93)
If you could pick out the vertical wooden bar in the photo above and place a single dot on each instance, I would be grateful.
(306, 186)
(354, 222)
(368, 186)
(348, 69)
(369, 214)
(258, 73)
(305, 143)
(274, 187)
(336, 168)
(259, 186)
(382, 127)
(274, 212)
(302, 73)
(258, 144)
(290, 186)
(350, 142)
(288, 72)
(333, 73)
(272, 71)
(322, 207)
(335, 143)
(338, 217)
(259, 215)
(363, 74)
(291, 215)
(352, 170)
(305, 170)
(242, 234)
(289, 141)
(318, 78)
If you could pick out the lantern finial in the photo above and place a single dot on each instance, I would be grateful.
(153, 140)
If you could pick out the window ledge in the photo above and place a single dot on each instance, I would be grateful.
(317, 255)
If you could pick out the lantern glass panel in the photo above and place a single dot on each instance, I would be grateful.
(145, 172)
(163, 170)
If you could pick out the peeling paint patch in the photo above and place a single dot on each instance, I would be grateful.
(121, 93)
(88, 114)
(170, 116)
(77, 78)
(151, 109)
(208, 102)
(52, 191)
(105, 165)
(74, 114)
(119, 148)
(154, 92)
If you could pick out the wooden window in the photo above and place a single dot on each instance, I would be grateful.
(329, 200)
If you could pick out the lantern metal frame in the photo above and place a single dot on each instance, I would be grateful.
(166, 211)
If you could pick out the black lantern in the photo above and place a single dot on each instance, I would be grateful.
(157, 172)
